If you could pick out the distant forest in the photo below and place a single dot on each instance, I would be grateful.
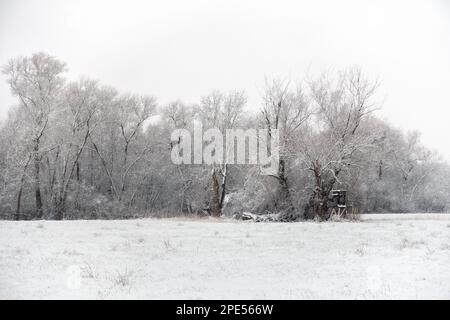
(82, 150)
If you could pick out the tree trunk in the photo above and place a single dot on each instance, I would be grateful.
(125, 159)
(224, 184)
(380, 170)
(77, 172)
(318, 203)
(19, 201)
(19, 194)
(321, 204)
(284, 201)
(215, 199)
(91, 167)
(37, 182)
(60, 208)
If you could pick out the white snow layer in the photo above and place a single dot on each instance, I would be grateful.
(382, 257)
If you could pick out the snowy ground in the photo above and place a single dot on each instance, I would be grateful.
(385, 256)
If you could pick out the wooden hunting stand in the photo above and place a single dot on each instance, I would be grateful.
(339, 205)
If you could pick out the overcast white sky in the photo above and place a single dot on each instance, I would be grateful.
(183, 49)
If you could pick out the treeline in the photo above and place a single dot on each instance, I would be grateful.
(82, 150)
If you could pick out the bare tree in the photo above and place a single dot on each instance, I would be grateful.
(178, 115)
(286, 110)
(74, 124)
(37, 81)
(128, 121)
(334, 138)
(222, 111)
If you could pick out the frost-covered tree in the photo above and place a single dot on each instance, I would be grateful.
(222, 111)
(334, 139)
(285, 109)
(37, 81)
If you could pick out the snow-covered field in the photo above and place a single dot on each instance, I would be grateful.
(384, 256)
